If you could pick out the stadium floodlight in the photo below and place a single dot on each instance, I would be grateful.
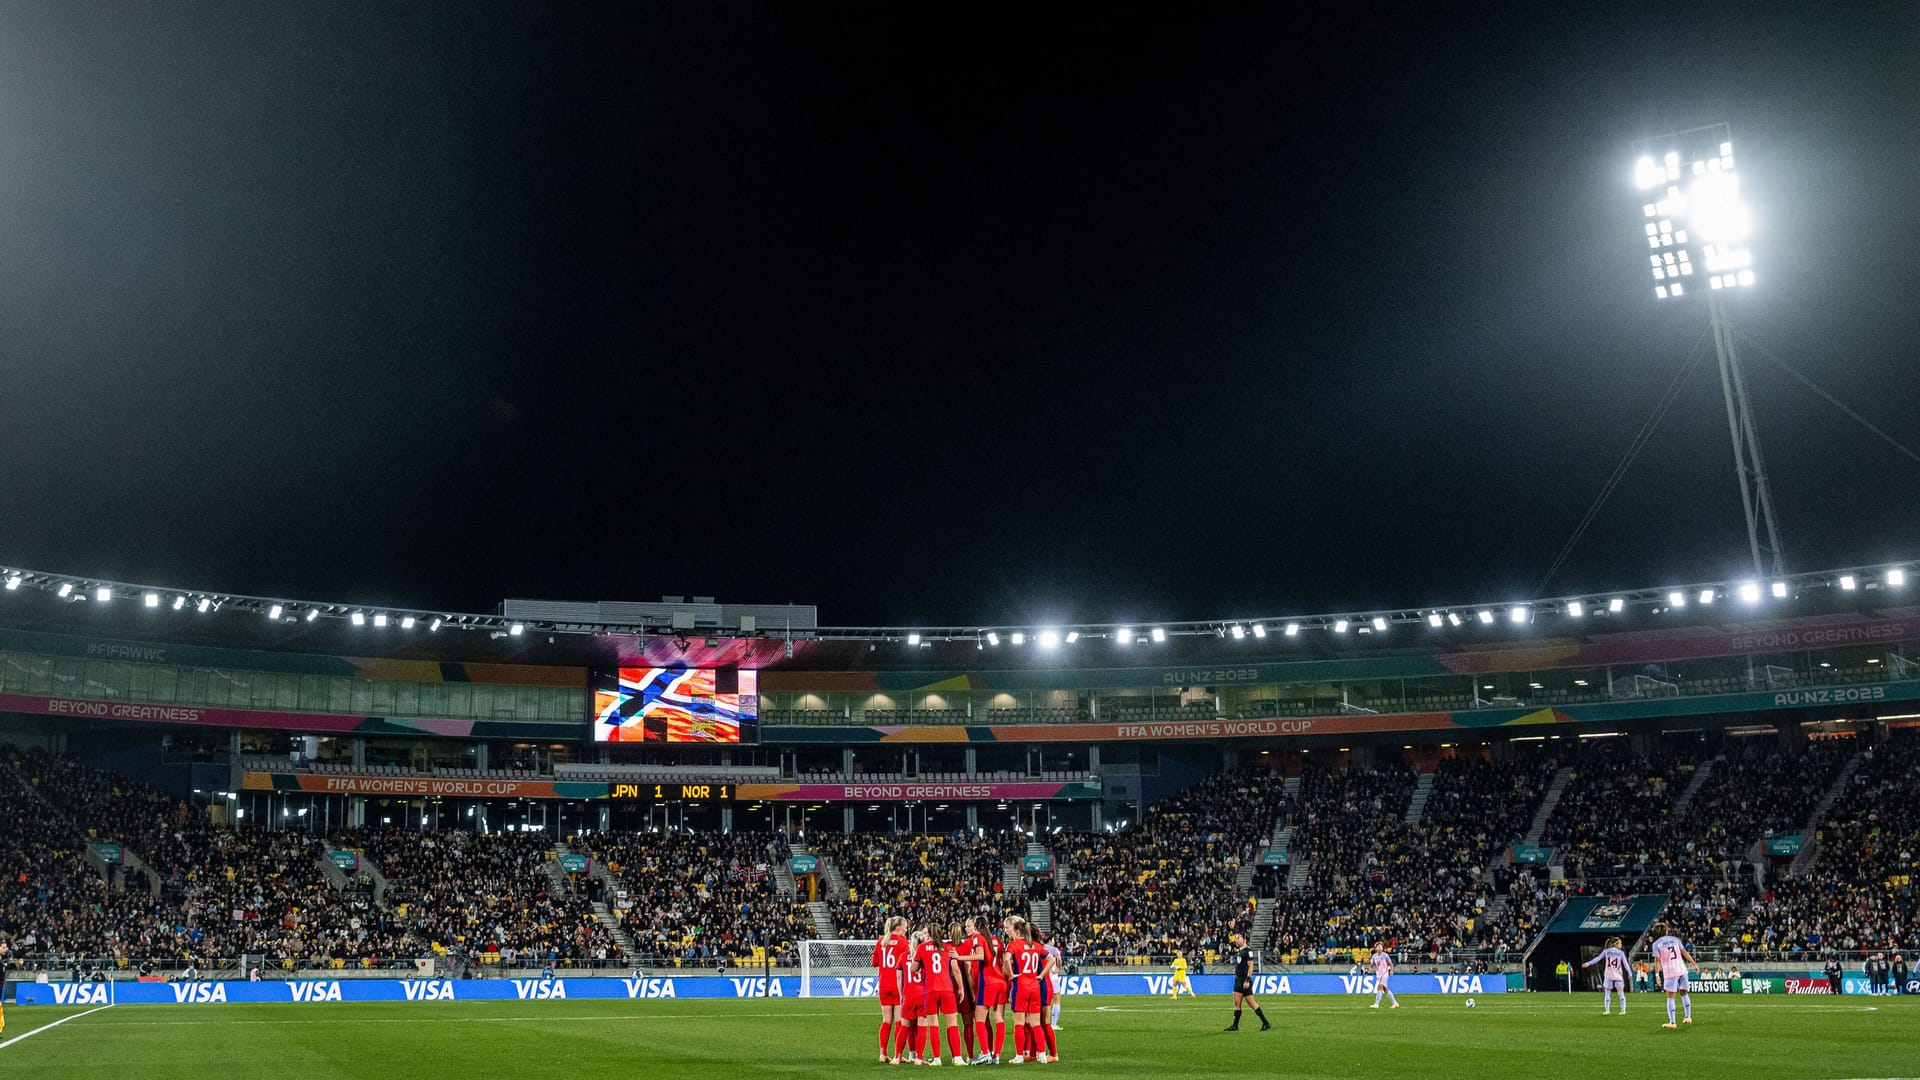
(1692, 214)
(205, 605)
(1707, 596)
(66, 589)
(103, 594)
(179, 602)
(1159, 634)
(1124, 635)
(275, 612)
(993, 638)
(1576, 609)
(13, 582)
(1779, 590)
(517, 629)
(380, 620)
(1260, 630)
(1019, 637)
(1434, 619)
(913, 639)
(433, 626)
(1049, 639)
(1453, 618)
(1339, 626)
(1292, 630)
(1518, 614)
(1616, 605)
(1896, 577)
(151, 599)
(1486, 617)
(1676, 598)
(358, 618)
(1848, 582)
(1379, 623)
(406, 622)
(313, 613)
(1750, 591)
(1073, 636)
(1237, 631)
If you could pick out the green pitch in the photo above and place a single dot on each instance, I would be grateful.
(1518, 1036)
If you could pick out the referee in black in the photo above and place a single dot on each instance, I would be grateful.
(1243, 982)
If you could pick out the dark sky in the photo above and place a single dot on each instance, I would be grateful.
(921, 317)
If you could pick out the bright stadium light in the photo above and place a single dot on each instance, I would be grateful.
(1339, 626)
(1676, 598)
(1518, 614)
(1616, 605)
(406, 623)
(1159, 634)
(1049, 639)
(1453, 618)
(1237, 631)
(1750, 592)
(1486, 617)
(1073, 636)
(1706, 597)
(1576, 609)
(517, 629)
(1779, 590)
(913, 639)
(205, 605)
(1848, 582)
(151, 599)
(313, 613)
(379, 620)
(1018, 637)
(1693, 215)
(993, 638)
(275, 612)
(1260, 630)
(66, 589)
(1124, 635)
(1379, 623)
(13, 582)
(358, 618)
(1434, 619)
(103, 594)
(433, 626)
(1293, 629)
(1896, 577)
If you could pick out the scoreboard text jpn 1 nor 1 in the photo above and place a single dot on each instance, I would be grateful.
(673, 792)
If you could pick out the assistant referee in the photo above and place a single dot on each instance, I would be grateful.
(1243, 983)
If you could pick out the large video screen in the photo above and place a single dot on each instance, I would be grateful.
(676, 704)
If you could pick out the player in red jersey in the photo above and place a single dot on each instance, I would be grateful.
(1027, 964)
(957, 950)
(889, 961)
(913, 1003)
(988, 984)
(933, 962)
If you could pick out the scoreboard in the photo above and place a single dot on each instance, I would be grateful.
(671, 792)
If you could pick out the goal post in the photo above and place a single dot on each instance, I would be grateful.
(830, 958)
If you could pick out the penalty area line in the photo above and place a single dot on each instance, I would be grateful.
(50, 1027)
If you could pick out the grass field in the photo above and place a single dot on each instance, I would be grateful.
(1507, 1036)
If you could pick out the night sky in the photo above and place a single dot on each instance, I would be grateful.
(969, 316)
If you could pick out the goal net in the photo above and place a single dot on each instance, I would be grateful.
(827, 958)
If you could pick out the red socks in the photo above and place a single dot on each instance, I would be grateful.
(953, 1040)
(886, 1029)
(1020, 1040)
(901, 1032)
(1046, 1031)
(980, 1035)
(999, 1038)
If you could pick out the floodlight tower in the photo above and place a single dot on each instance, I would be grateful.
(1696, 229)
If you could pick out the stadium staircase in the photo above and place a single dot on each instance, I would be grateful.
(1803, 859)
(1013, 882)
(1693, 787)
(130, 863)
(611, 885)
(1417, 806)
(784, 882)
(1547, 802)
(1297, 872)
(822, 916)
(830, 873)
(330, 870)
(1041, 912)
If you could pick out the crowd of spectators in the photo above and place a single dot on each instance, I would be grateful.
(927, 879)
(701, 899)
(1617, 823)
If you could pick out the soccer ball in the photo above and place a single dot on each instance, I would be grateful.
(1469, 1003)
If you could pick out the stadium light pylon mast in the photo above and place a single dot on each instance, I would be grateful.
(1696, 227)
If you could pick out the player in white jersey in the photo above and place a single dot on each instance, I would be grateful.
(1613, 975)
(1382, 966)
(1058, 965)
(1674, 961)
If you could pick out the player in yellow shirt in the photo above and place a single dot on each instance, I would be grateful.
(1180, 977)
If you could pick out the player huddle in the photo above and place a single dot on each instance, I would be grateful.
(933, 977)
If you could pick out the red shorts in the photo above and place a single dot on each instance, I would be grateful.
(993, 993)
(1026, 996)
(940, 1003)
(913, 1007)
(889, 990)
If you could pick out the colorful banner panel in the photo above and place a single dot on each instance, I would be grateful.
(319, 991)
(676, 704)
(445, 787)
(913, 792)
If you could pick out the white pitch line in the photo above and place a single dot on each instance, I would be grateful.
(291, 1021)
(49, 1027)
